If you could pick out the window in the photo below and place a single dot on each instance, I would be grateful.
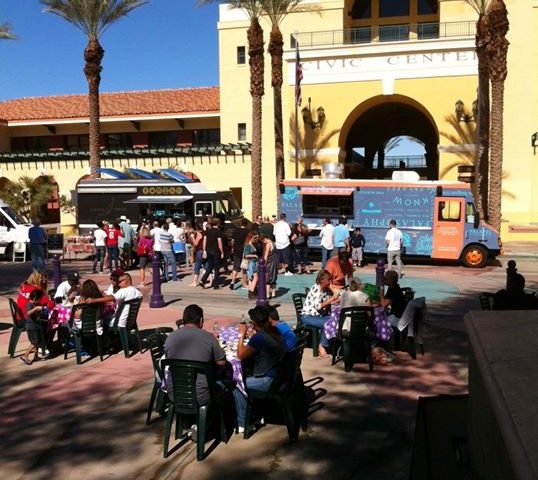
(241, 56)
(30, 144)
(428, 30)
(77, 142)
(206, 137)
(242, 132)
(203, 208)
(449, 211)
(328, 205)
(393, 8)
(361, 9)
(119, 140)
(428, 7)
(163, 139)
(393, 33)
(471, 214)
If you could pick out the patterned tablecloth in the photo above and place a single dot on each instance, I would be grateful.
(228, 339)
(59, 315)
(331, 326)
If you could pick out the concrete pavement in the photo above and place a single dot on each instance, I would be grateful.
(59, 419)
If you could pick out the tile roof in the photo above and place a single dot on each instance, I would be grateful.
(150, 102)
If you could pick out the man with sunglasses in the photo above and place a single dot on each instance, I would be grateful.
(125, 293)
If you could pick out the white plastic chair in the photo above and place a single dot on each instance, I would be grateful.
(19, 252)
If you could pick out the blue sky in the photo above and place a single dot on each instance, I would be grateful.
(164, 44)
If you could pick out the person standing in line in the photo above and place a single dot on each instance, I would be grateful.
(282, 233)
(99, 242)
(126, 242)
(299, 239)
(394, 241)
(214, 253)
(327, 241)
(341, 236)
(357, 242)
(267, 228)
(38, 239)
(113, 233)
(238, 244)
(166, 240)
(155, 232)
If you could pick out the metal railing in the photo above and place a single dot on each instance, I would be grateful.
(405, 161)
(384, 33)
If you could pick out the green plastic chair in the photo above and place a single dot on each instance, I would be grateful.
(18, 326)
(88, 316)
(131, 325)
(183, 374)
(287, 390)
(158, 398)
(315, 333)
(357, 343)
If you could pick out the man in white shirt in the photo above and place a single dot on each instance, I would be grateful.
(327, 241)
(68, 290)
(394, 240)
(282, 233)
(125, 293)
(99, 238)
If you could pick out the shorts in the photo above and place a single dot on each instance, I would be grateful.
(284, 255)
(143, 261)
(237, 259)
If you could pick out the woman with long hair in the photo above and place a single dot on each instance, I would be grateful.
(36, 280)
(89, 289)
(250, 253)
(271, 264)
(265, 350)
(197, 239)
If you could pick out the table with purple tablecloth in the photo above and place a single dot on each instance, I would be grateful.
(331, 326)
(228, 339)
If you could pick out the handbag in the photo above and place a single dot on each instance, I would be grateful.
(178, 247)
(244, 264)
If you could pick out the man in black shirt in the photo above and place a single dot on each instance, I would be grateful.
(393, 297)
(357, 242)
(238, 243)
(214, 252)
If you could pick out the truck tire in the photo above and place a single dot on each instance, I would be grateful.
(474, 256)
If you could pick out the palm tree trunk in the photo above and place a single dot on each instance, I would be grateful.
(482, 157)
(496, 168)
(93, 56)
(256, 63)
(276, 49)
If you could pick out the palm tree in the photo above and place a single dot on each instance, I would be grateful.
(5, 32)
(497, 48)
(254, 10)
(482, 163)
(93, 18)
(277, 11)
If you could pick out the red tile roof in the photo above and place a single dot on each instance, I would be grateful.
(150, 102)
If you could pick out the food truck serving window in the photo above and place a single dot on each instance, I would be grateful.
(328, 205)
(449, 211)
(203, 208)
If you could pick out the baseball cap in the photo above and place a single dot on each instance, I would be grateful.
(73, 276)
(116, 274)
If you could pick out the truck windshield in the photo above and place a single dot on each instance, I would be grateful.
(14, 215)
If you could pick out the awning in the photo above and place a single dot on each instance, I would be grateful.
(327, 191)
(152, 199)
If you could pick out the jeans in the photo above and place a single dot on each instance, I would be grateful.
(169, 258)
(37, 253)
(301, 255)
(113, 253)
(395, 255)
(213, 263)
(318, 321)
(99, 258)
(254, 383)
(356, 255)
(198, 261)
(325, 255)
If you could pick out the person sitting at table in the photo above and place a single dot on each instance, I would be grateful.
(34, 326)
(114, 282)
(193, 343)
(515, 297)
(341, 268)
(288, 335)
(68, 290)
(125, 293)
(264, 351)
(89, 289)
(393, 299)
(316, 309)
(35, 281)
(354, 297)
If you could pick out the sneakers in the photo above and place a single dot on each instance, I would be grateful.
(288, 274)
(44, 352)
(232, 285)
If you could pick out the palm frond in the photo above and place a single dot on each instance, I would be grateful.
(277, 10)
(6, 33)
(93, 17)
(479, 6)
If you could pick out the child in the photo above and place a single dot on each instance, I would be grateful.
(357, 242)
(34, 328)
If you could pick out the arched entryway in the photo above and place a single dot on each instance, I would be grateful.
(375, 126)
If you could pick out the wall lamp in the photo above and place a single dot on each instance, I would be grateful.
(459, 110)
(534, 141)
(306, 112)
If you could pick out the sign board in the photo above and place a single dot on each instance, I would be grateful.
(313, 172)
(55, 244)
(466, 169)
(469, 179)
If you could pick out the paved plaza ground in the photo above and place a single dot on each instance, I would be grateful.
(60, 420)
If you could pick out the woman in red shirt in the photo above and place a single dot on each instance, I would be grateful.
(113, 232)
(36, 280)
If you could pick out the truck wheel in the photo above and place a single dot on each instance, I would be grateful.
(474, 256)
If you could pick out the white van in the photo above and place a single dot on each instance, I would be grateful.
(13, 228)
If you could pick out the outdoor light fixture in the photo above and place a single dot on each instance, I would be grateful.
(534, 141)
(459, 110)
(306, 112)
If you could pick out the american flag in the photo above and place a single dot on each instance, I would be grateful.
(298, 76)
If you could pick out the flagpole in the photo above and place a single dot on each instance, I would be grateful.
(296, 109)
